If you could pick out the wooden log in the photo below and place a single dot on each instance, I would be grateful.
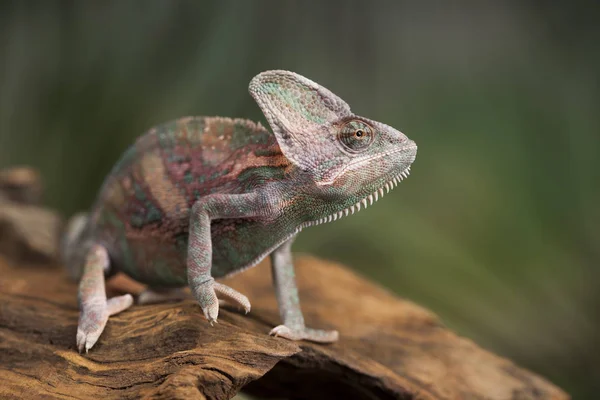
(20, 185)
(27, 230)
(167, 351)
(389, 348)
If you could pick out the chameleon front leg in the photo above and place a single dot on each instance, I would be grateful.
(293, 327)
(199, 263)
(95, 309)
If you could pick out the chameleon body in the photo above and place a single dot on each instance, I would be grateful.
(200, 198)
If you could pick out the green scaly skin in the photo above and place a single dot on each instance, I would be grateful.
(202, 198)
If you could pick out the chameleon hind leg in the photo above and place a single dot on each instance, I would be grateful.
(293, 327)
(199, 263)
(95, 308)
(158, 295)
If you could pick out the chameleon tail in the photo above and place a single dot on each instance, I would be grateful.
(71, 245)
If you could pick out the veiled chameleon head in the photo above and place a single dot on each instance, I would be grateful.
(319, 134)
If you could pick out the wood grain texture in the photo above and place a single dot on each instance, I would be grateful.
(389, 348)
(165, 351)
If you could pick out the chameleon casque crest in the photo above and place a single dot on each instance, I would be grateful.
(201, 198)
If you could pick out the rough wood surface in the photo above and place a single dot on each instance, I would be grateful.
(389, 348)
(166, 351)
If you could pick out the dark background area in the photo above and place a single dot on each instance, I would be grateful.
(496, 230)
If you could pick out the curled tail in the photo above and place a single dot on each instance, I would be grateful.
(72, 246)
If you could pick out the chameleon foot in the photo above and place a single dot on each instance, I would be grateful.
(153, 296)
(93, 320)
(233, 296)
(313, 335)
(207, 298)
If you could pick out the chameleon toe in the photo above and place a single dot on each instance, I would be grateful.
(155, 296)
(211, 312)
(233, 296)
(120, 303)
(80, 341)
(313, 335)
(321, 336)
(85, 341)
(207, 298)
(283, 331)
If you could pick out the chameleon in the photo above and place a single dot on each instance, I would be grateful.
(199, 198)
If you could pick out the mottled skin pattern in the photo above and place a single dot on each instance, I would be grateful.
(202, 198)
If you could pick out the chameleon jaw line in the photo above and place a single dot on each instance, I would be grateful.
(363, 203)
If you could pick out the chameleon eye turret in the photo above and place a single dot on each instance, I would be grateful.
(356, 136)
(200, 198)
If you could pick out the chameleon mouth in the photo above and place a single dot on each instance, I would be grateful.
(363, 203)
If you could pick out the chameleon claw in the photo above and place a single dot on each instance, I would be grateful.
(86, 341)
(80, 341)
(92, 322)
(211, 313)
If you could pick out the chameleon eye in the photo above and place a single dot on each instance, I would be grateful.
(356, 136)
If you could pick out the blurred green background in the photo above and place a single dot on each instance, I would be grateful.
(497, 229)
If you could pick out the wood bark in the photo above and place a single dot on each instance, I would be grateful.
(389, 348)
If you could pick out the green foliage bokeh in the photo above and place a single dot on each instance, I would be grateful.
(496, 230)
